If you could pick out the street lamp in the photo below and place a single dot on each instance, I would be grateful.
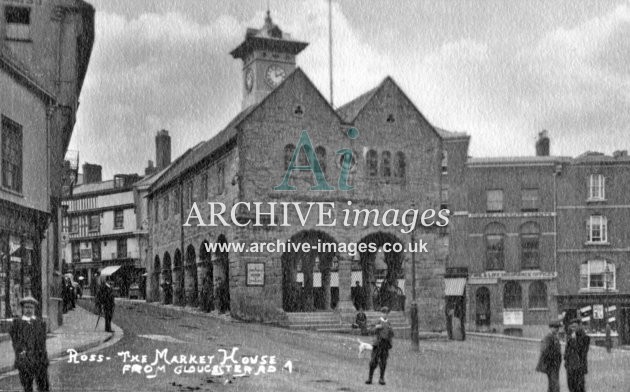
(415, 344)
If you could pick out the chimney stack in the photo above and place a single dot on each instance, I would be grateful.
(150, 169)
(620, 153)
(542, 144)
(92, 173)
(162, 149)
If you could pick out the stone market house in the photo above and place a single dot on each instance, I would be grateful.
(396, 164)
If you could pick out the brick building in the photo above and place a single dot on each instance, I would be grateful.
(396, 164)
(594, 242)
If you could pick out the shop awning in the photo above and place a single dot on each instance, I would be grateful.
(454, 286)
(108, 271)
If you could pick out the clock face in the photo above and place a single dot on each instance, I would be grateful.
(275, 74)
(249, 79)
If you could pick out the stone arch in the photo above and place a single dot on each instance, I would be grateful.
(190, 276)
(167, 279)
(155, 278)
(178, 279)
(299, 296)
(222, 276)
(382, 290)
(205, 278)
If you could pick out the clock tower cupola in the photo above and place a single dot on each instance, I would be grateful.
(268, 56)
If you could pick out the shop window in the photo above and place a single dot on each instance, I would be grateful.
(512, 295)
(18, 23)
(11, 154)
(538, 295)
(530, 246)
(597, 275)
(494, 200)
(596, 187)
(495, 239)
(372, 163)
(597, 227)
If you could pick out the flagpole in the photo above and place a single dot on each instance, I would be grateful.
(330, 51)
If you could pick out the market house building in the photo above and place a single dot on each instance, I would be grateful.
(396, 164)
(38, 107)
(594, 242)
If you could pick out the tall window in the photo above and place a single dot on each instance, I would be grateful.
(537, 295)
(176, 202)
(596, 187)
(372, 163)
(204, 186)
(321, 157)
(512, 295)
(288, 154)
(444, 162)
(166, 205)
(597, 226)
(401, 165)
(386, 169)
(495, 238)
(11, 154)
(494, 200)
(74, 224)
(530, 246)
(121, 248)
(221, 178)
(597, 275)
(119, 218)
(96, 251)
(530, 200)
(18, 21)
(95, 222)
(189, 194)
(76, 252)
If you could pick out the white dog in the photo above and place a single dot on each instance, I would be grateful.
(363, 346)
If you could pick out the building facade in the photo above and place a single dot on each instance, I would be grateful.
(44, 53)
(244, 163)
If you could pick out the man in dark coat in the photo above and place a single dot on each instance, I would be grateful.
(382, 344)
(28, 334)
(105, 303)
(551, 358)
(575, 357)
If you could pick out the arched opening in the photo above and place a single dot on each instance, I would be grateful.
(383, 276)
(222, 284)
(190, 276)
(482, 307)
(306, 276)
(178, 277)
(205, 278)
(155, 278)
(167, 279)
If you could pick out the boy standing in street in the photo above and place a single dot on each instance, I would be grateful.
(382, 345)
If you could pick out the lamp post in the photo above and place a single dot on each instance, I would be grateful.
(415, 344)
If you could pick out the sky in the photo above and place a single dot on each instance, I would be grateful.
(500, 71)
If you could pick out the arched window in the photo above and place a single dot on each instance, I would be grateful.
(512, 295)
(386, 169)
(321, 157)
(537, 295)
(495, 239)
(165, 207)
(288, 153)
(530, 246)
(372, 163)
(401, 165)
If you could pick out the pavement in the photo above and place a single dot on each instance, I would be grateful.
(78, 332)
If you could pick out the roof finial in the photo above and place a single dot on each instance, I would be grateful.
(268, 17)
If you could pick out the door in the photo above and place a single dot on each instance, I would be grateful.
(482, 307)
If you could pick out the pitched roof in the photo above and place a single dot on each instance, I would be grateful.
(351, 110)
(517, 160)
(444, 134)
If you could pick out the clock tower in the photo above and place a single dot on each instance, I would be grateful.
(268, 56)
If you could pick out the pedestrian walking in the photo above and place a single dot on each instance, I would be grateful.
(608, 338)
(382, 344)
(105, 303)
(575, 357)
(28, 335)
(551, 357)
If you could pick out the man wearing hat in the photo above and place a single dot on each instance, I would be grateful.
(382, 345)
(551, 357)
(28, 334)
(575, 356)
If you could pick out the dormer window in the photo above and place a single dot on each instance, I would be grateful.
(18, 21)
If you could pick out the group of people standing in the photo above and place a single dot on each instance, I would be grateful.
(575, 357)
